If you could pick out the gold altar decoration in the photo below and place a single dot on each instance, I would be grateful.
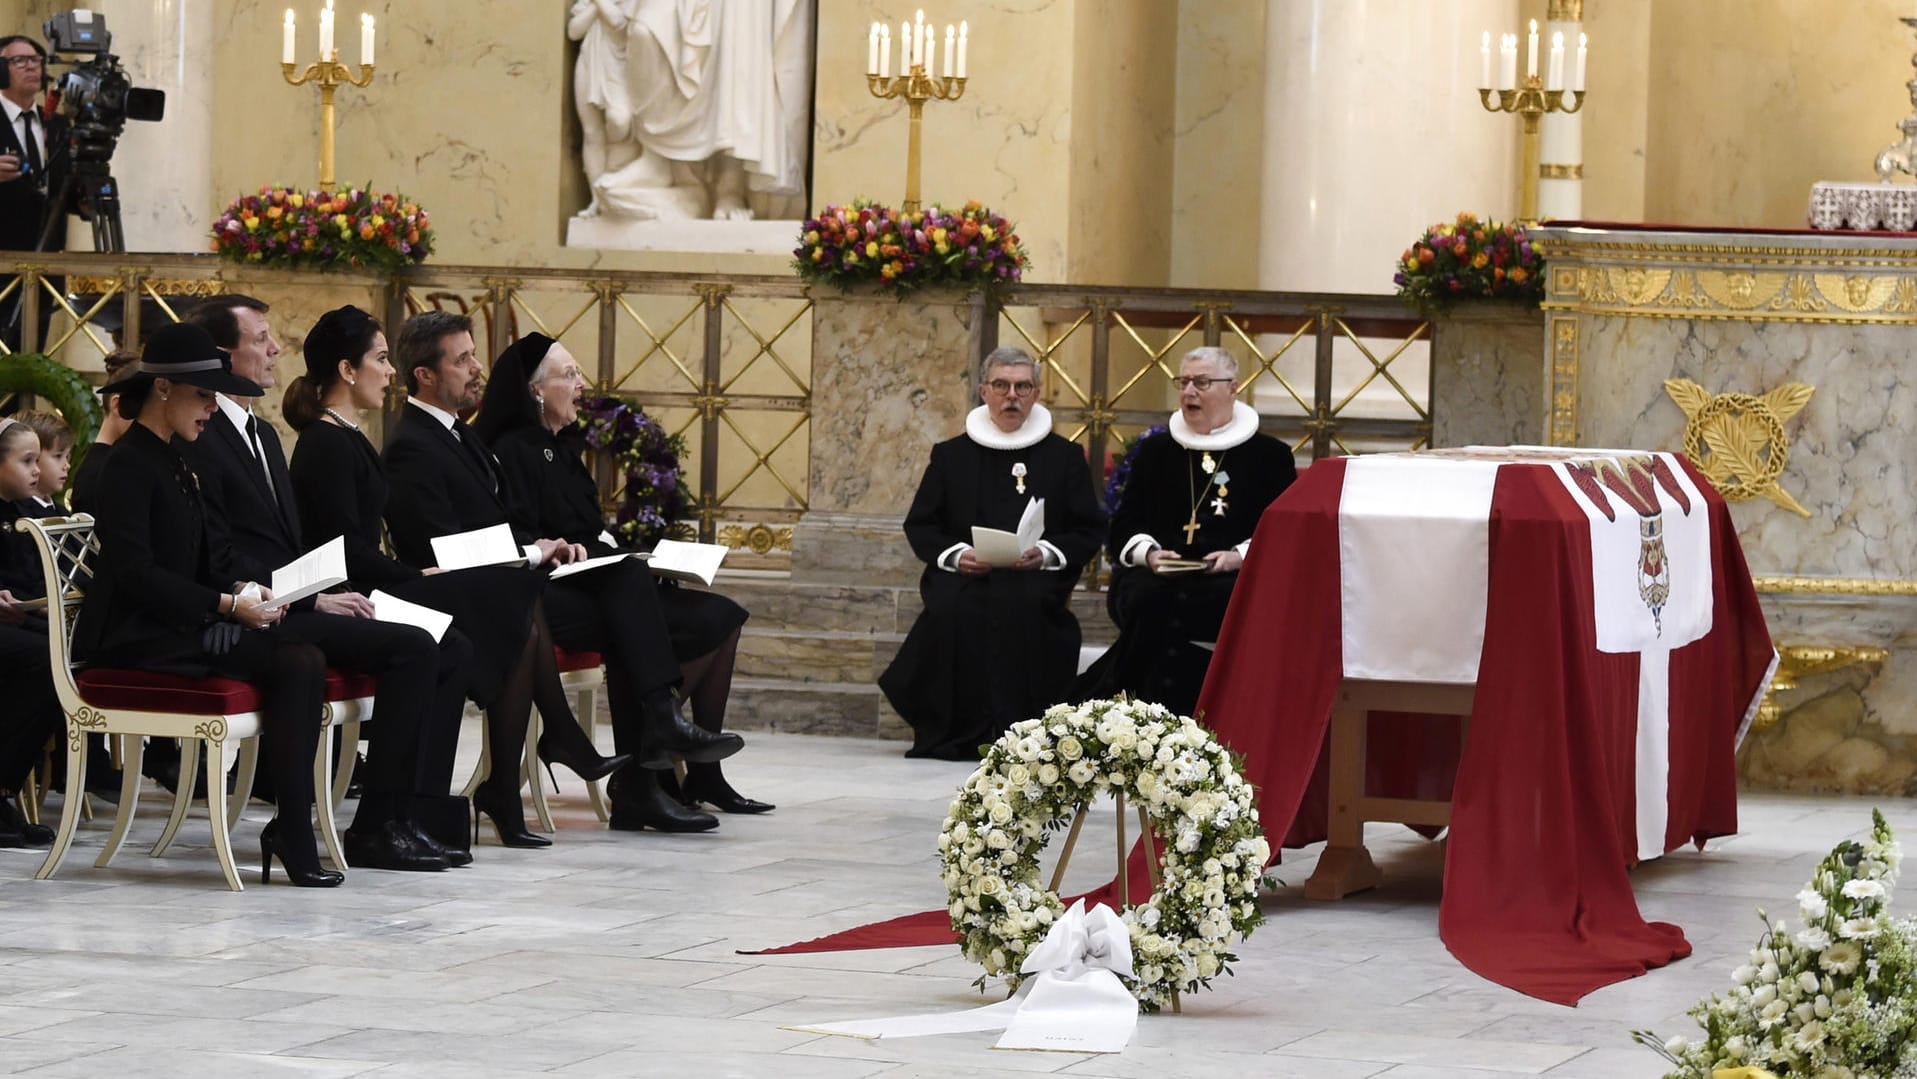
(329, 74)
(1795, 661)
(1738, 439)
(915, 81)
(1530, 99)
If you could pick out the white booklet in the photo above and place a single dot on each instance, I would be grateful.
(315, 571)
(591, 564)
(997, 547)
(682, 561)
(390, 608)
(491, 546)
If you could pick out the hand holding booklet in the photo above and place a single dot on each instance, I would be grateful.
(313, 572)
(492, 546)
(390, 608)
(997, 547)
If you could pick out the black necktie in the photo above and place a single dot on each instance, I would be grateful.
(259, 453)
(464, 435)
(28, 146)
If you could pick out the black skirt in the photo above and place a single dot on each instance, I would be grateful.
(491, 605)
(698, 621)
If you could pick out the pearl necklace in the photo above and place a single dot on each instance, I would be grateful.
(342, 421)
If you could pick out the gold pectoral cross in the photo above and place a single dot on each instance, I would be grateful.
(1191, 529)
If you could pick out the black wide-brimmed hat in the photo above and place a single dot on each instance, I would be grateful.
(183, 352)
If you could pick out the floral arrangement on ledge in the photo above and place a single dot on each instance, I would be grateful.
(1468, 259)
(1835, 1000)
(337, 231)
(654, 492)
(971, 247)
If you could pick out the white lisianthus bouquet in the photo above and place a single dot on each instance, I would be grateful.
(1836, 999)
(1041, 773)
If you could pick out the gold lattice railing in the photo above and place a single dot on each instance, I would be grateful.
(724, 360)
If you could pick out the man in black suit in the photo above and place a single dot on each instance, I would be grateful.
(33, 161)
(422, 685)
(445, 480)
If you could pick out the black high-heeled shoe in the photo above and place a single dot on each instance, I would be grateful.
(304, 872)
(713, 790)
(509, 821)
(586, 762)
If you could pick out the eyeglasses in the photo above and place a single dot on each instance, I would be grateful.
(25, 61)
(1201, 383)
(1023, 389)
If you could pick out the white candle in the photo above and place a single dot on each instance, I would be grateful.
(326, 32)
(872, 51)
(930, 37)
(1577, 73)
(905, 50)
(286, 40)
(961, 56)
(918, 38)
(951, 47)
(1508, 63)
(1531, 54)
(1554, 70)
(366, 40)
(885, 51)
(1484, 63)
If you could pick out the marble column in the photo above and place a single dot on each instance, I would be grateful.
(164, 169)
(1561, 148)
(1373, 131)
(889, 379)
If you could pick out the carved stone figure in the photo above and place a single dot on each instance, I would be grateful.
(688, 106)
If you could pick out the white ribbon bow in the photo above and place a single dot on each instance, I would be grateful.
(1072, 1000)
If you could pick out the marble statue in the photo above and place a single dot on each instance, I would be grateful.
(690, 106)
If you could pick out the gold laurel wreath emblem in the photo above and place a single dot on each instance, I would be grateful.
(1738, 440)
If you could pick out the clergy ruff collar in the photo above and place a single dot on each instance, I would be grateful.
(1038, 423)
(1236, 432)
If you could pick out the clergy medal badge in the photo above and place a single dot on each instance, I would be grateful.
(1219, 479)
(1018, 475)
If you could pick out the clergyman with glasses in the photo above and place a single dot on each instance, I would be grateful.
(1180, 533)
(995, 643)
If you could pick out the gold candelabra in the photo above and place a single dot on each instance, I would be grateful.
(1531, 101)
(329, 74)
(915, 83)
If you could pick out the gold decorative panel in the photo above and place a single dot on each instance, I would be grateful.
(1738, 440)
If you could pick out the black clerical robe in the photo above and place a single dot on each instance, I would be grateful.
(986, 652)
(1160, 616)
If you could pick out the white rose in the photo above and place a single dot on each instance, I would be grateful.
(1125, 742)
(1018, 775)
(958, 908)
(1744, 975)
(1070, 749)
(1811, 905)
(1807, 982)
(991, 887)
(1048, 774)
(1207, 965)
(1000, 812)
(1763, 995)
(1813, 939)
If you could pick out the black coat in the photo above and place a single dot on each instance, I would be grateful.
(24, 202)
(263, 531)
(83, 487)
(340, 490)
(20, 571)
(159, 575)
(439, 487)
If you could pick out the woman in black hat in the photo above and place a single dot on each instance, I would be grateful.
(341, 490)
(527, 416)
(163, 600)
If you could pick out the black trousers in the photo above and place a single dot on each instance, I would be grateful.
(29, 709)
(615, 612)
(414, 734)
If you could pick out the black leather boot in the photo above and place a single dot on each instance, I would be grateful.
(382, 838)
(665, 731)
(639, 803)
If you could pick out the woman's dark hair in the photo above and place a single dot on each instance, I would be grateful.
(344, 333)
(133, 398)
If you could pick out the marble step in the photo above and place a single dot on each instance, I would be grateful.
(814, 655)
(836, 708)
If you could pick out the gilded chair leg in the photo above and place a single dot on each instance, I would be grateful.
(323, 783)
(216, 811)
(246, 775)
(484, 766)
(69, 807)
(183, 796)
(131, 755)
(530, 774)
(583, 706)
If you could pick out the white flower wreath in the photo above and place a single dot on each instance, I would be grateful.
(1036, 776)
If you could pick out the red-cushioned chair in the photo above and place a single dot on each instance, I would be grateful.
(201, 712)
(581, 674)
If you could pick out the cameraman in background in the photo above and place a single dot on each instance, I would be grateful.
(33, 158)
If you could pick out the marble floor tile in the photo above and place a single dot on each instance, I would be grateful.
(619, 953)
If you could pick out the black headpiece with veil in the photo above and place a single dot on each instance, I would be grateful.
(507, 406)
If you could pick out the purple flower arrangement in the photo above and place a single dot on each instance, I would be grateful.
(339, 231)
(1470, 259)
(648, 461)
(970, 247)
(1122, 472)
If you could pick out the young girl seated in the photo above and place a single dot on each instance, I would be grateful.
(33, 712)
(56, 456)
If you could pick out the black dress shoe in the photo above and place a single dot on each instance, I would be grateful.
(14, 823)
(455, 856)
(390, 846)
(712, 789)
(442, 821)
(301, 861)
(639, 803)
(667, 731)
(584, 761)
